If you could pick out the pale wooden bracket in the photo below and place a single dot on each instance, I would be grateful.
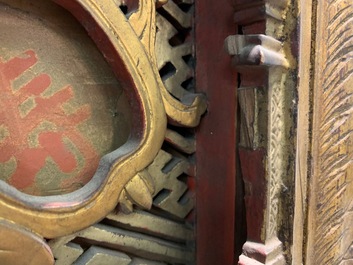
(255, 50)
(263, 64)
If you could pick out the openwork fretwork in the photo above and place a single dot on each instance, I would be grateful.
(174, 49)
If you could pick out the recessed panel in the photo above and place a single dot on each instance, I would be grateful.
(61, 107)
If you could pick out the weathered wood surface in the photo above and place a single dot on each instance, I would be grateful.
(262, 56)
(330, 231)
(302, 141)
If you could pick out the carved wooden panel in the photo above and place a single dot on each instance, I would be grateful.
(84, 181)
(136, 202)
(330, 234)
(53, 144)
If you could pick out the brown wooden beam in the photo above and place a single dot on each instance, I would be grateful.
(216, 135)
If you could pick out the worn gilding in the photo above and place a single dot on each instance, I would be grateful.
(57, 215)
(123, 175)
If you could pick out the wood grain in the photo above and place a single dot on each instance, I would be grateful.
(216, 136)
(330, 233)
(303, 143)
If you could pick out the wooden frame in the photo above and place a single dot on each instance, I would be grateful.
(66, 213)
(122, 176)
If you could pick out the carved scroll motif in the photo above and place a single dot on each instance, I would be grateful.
(262, 62)
(138, 173)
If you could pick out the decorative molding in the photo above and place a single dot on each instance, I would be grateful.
(16, 242)
(255, 253)
(276, 166)
(258, 52)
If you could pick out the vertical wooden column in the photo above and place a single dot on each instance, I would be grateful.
(216, 136)
(261, 55)
(303, 132)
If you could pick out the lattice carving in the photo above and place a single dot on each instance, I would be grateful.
(139, 234)
(173, 60)
(170, 193)
(174, 49)
(174, 57)
(167, 191)
(161, 186)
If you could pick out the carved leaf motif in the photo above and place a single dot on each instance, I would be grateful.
(138, 191)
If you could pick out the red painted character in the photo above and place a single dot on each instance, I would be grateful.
(16, 126)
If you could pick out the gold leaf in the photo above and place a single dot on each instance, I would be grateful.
(160, 3)
(125, 203)
(138, 192)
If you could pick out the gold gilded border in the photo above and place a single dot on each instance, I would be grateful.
(54, 216)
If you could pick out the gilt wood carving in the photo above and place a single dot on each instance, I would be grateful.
(136, 205)
(137, 173)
